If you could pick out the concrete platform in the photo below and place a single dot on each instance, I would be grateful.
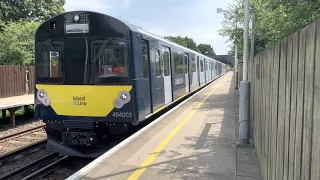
(195, 141)
(10, 102)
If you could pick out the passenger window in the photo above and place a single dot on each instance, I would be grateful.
(178, 63)
(166, 63)
(193, 65)
(186, 64)
(201, 65)
(158, 65)
(198, 64)
(145, 60)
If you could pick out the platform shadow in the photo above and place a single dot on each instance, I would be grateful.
(211, 154)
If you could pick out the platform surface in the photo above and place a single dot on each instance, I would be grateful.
(16, 101)
(195, 141)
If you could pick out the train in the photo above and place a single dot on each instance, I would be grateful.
(97, 76)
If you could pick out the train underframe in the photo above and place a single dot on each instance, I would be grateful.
(82, 138)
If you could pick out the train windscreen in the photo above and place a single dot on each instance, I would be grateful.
(109, 60)
(49, 62)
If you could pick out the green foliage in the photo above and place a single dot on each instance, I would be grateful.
(19, 20)
(206, 49)
(274, 20)
(19, 112)
(186, 42)
(17, 43)
(29, 10)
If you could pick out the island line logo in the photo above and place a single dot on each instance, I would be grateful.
(79, 101)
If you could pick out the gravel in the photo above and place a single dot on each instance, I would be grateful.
(7, 130)
(23, 161)
(72, 166)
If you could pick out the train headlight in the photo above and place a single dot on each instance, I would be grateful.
(124, 96)
(41, 94)
(43, 97)
(76, 18)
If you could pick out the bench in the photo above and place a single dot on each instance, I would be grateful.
(12, 104)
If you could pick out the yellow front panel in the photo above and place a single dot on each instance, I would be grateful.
(71, 100)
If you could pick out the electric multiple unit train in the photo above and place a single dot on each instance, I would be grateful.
(98, 76)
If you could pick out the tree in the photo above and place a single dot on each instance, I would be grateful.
(191, 44)
(19, 20)
(186, 42)
(274, 20)
(29, 10)
(206, 49)
(17, 43)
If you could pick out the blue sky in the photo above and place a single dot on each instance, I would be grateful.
(197, 19)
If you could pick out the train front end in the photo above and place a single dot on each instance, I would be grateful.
(84, 92)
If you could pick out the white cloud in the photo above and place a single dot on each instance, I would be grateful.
(193, 18)
(103, 6)
(207, 36)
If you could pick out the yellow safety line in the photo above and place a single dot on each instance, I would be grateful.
(161, 146)
(159, 109)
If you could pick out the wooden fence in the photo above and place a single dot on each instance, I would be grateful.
(16, 80)
(285, 106)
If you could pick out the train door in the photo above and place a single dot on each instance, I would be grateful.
(167, 74)
(198, 70)
(186, 71)
(211, 71)
(215, 70)
(146, 77)
(205, 70)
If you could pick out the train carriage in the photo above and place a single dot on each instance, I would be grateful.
(97, 76)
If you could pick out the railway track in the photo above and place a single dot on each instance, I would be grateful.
(19, 141)
(20, 149)
(23, 156)
(34, 168)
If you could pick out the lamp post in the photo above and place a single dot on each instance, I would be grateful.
(244, 102)
(236, 56)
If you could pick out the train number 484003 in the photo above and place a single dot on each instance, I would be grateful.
(122, 114)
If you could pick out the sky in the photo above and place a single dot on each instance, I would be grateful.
(197, 19)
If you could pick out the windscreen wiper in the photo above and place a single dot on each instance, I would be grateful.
(100, 50)
(50, 44)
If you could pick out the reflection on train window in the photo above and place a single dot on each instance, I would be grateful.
(185, 64)
(201, 65)
(145, 60)
(207, 66)
(178, 63)
(112, 60)
(166, 65)
(193, 65)
(157, 62)
(198, 64)
(49, 60)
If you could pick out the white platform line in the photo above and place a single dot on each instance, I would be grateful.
(94, 163)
